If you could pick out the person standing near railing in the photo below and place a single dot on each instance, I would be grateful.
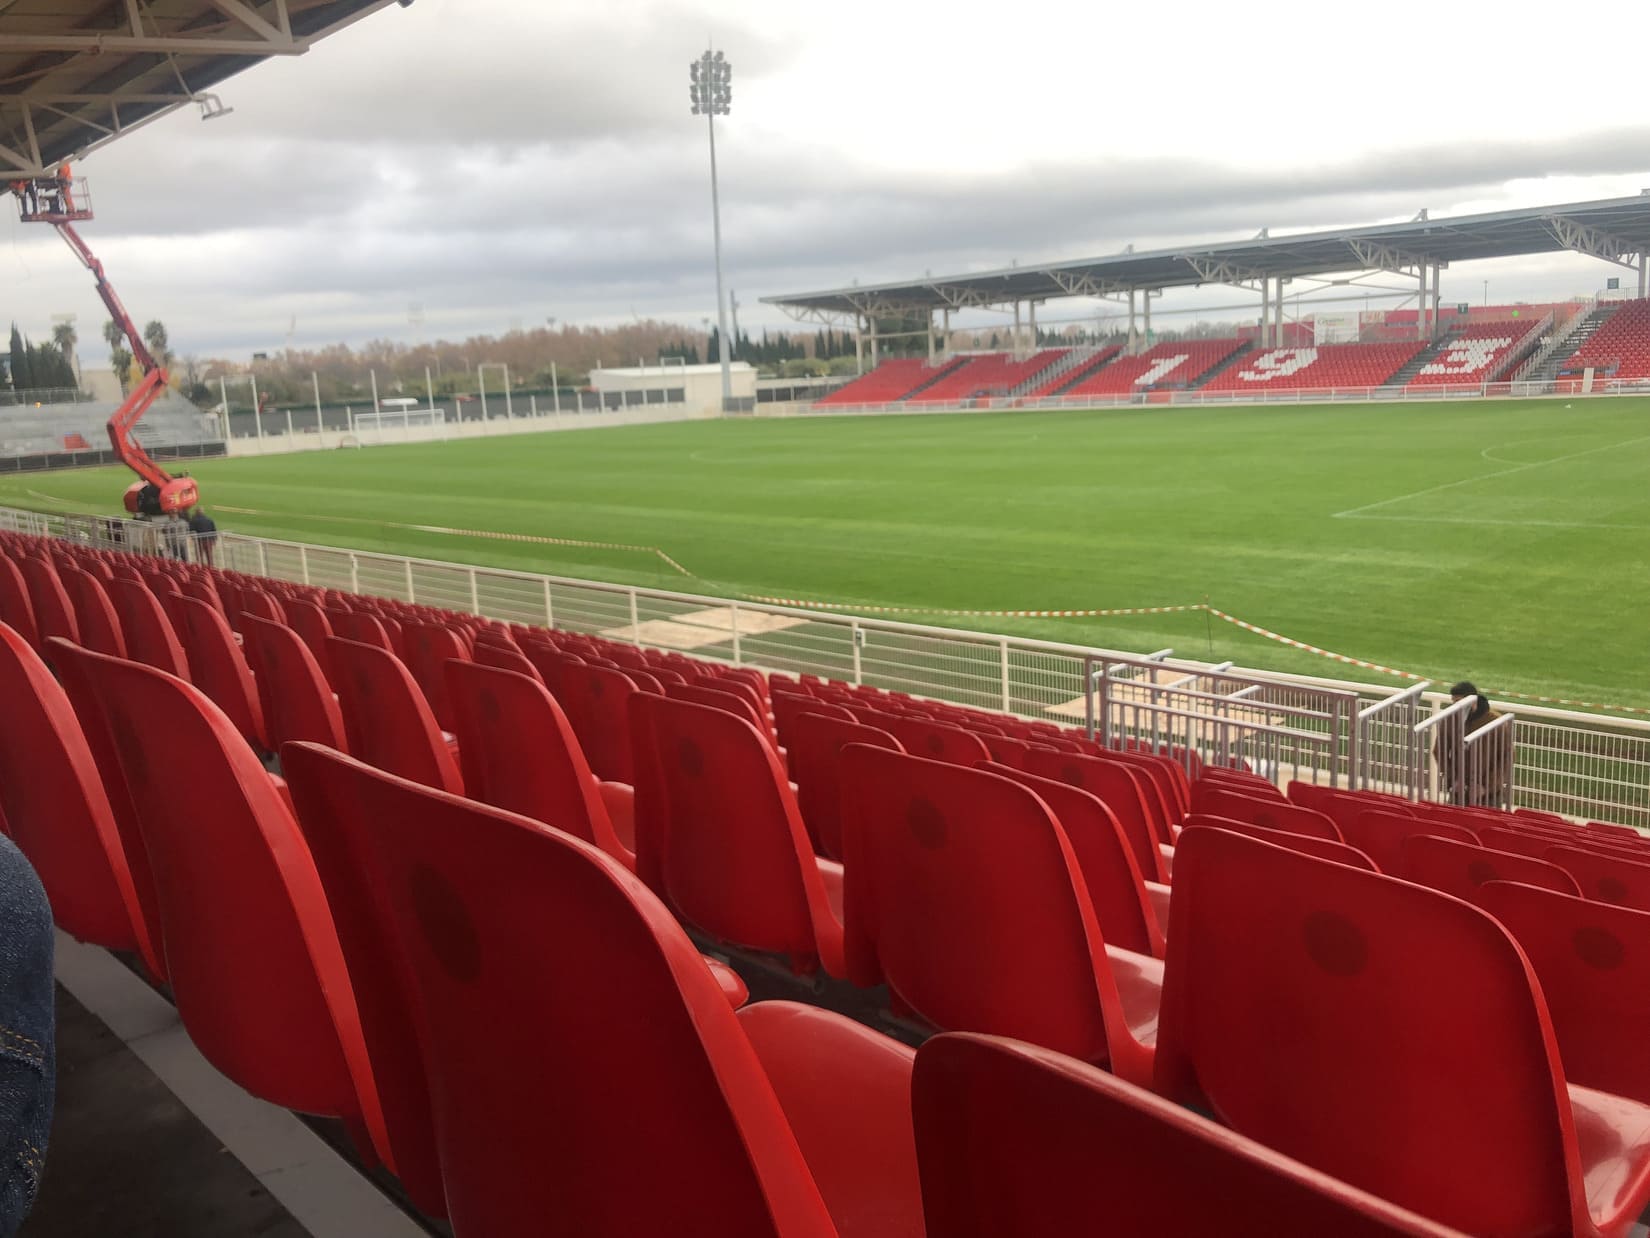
(1483, 777)
(205, 530)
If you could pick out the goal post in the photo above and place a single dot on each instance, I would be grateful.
(399, 415)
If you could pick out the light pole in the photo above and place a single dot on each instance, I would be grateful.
(711, 90)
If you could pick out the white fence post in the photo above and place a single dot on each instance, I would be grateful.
(549, 609)
(733, 608)
(303, 563)
(475, 594)
(1008, 693)
(354, 574)
(410, 597)
(635, 621)
(857, 638)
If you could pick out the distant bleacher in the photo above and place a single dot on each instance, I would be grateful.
(63, 435)
(1479, 352)
(890, 381)
(990, 374)
(1618, 349)
(1317, 367)
(1169, 366)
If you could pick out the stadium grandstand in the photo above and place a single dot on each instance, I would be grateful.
(388, 896)
(1457, 350)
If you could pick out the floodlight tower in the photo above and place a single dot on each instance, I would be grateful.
(711, 90)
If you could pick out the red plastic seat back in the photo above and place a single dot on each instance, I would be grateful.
(1270, 812)
(1380, 835)
(149, 635)
(787, 706)
(519, 753)
(954, 879)
(1105, 859)
(1417, 1037)
(386, 719)
(1166, 777)
(1306, 844)
(430, 646)
(95, 616)
(53, 612)
(1120, 789)
(1605, 878)
(56, 810)
(218, 668)
(1521, 840)
(815, 749)
(735, 858)
(728, 700)
(313, 626)
(938, 741)
(16, 607)
(548, 981)
(361, 627)
(262, 605)
(597, 703)
(1236, 780)
(251, 951)
(1593, 961)
(297, 701)
(505, 658)
(1459, 868)
(1008, 1140)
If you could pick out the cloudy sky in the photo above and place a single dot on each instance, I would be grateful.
(501, 162)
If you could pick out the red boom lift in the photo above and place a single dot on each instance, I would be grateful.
(62, 202)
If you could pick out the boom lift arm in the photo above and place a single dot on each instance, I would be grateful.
(51, 200)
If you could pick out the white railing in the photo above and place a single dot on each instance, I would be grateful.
(1583, 765)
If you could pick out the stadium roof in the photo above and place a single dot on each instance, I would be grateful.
(76, 74)
(1612, 229)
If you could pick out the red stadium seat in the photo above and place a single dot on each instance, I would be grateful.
(505, 658)
(597, 703)
(587, 1002)
(312, 624)
(1416, 1038)
(53, 611)
(1380, 835)
(728, 850)
(55, 807)
(16, 607)
(1015, 1141)
(386, 719)
(1272, 813)
(1121, 790)
(148, 632)
(1605, 878)
(1459, 868)
(1315, 367)
(938, 741)
(1115, 885)
(251, 951)
(95, 616)
(815, 750)
(1593, 962)
(959, 878)
(1306, 844)
(519, 753)
(298, 703)
(787, 706)
(430, 646)
(218, 668)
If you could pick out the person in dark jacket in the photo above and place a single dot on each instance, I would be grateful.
(205, 530)
(1488, 772)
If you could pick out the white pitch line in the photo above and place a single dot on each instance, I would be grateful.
(1467, 481)
(1508, 524)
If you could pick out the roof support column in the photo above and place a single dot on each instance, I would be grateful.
(1277, 316)
(1644, 268)
(1265, 311)
(859, 344)
(945, 341)
(1014, 348)
(1134, 338)
(1031, 341)
(1148, 318)
(930, 317)
(876, 352)
(1437, 299)
(1421, 318)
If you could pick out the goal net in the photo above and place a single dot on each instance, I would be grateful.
(391, 419)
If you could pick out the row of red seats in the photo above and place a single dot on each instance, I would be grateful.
(706, 769)
(1094, 361)
(427, 896)
(1320, 366)
(1170, 365)
(988, 374)
(1621, 347)
(890, 381)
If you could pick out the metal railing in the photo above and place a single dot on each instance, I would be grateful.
(1582, 765)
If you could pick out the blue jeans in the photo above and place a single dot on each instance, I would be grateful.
(27, 1020)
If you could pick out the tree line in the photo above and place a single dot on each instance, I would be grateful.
(27, 366)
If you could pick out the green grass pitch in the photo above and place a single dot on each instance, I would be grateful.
(1504, 542)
